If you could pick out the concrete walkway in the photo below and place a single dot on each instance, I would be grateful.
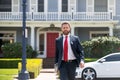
(46, 74)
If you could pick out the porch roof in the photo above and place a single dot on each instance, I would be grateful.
(58, 23)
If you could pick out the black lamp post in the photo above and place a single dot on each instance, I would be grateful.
(24, 75)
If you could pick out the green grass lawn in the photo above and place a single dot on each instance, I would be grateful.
(8, 74)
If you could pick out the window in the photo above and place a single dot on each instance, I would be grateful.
(5, 5)
(64, 5)
(41, 43)
(40, 5)
(115, 57)
(94, 34)
(100, 5)
(7, 37)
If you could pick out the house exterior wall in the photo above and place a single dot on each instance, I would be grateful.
(117, 7)
(52, 5)
(81, 5)
(117, 33)
(84, 33)
(18, 31)
(27, 3)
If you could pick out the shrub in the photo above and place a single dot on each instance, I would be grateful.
(33, 66)
(14, 50)
(101, 46)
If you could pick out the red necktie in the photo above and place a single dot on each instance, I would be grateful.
(66, 49)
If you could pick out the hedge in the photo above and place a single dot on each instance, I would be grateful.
(14, 50)
(9, 63)
(33, 66)
(101, 46)
(13, 63)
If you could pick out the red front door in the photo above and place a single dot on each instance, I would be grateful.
(51, 44)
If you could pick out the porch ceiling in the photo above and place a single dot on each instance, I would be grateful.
(58, 23)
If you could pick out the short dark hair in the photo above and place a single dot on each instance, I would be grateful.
(65, 23)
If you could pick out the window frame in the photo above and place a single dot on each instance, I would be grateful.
(97, 32)
(41, 4)
(64, 5)
(14, 32)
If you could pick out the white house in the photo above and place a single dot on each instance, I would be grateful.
(88, 19)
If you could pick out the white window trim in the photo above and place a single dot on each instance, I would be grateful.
(97, 32)
(35, 5)
(18, 10)
(115, 8)
(59, 6)
(69, 5)
(114, 12)
(14, 32)
(45, 5)
(30, 6)
(88, 6)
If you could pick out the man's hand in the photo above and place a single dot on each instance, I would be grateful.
(56, 67)
(82, 64)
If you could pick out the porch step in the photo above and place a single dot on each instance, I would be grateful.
(48, 63)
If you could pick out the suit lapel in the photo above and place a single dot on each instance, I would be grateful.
(61, 43)
(71, 42)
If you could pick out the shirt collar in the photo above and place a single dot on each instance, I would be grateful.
(66, 35)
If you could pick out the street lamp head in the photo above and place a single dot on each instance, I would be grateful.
(72, 9)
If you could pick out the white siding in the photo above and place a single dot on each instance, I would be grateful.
(34, 5)
(72, 5)
(90, 5)
(111, 6)
(15, 5)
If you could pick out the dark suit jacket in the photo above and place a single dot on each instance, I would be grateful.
(76, 48)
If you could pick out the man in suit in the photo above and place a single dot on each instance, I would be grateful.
(69, 53)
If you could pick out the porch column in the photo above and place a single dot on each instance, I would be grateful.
(111, 30)
(32, 41)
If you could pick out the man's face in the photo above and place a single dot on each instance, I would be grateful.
(65, 29)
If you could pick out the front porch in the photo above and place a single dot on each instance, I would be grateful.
(35, 26)
(37, 22)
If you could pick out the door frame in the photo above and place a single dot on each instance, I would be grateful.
(38, 41)
(45, 42)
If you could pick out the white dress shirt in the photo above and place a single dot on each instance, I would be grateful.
(70, 52)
